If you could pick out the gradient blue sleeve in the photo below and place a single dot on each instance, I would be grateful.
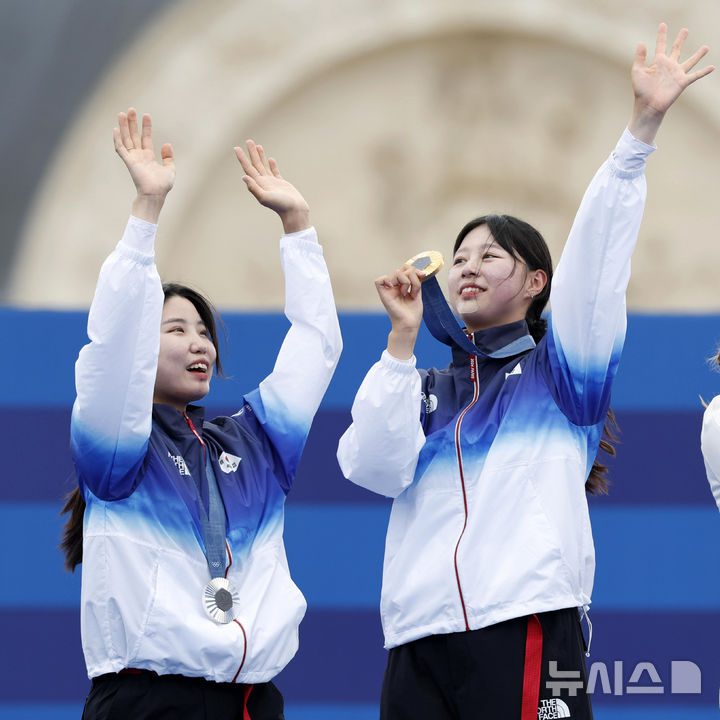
(115, 372)
(286, 401)
(588, 321)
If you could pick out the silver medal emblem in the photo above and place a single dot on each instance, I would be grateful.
(220, 600)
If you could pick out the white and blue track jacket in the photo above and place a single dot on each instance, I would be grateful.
(487, 459)
(144, 568)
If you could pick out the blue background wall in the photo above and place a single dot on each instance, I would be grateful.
(657, 590)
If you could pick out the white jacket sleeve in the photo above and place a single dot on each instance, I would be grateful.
(588, 321)
(115, 372)
(286, 401)
(710, 445)
(379, 451)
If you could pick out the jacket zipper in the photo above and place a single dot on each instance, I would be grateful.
(458, 451)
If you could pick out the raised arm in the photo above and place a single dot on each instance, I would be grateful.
(287, 400)
(115, 372)
(588, 291)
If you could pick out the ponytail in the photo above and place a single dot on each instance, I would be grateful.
(72, 534)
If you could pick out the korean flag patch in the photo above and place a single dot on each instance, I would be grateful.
(229, 463)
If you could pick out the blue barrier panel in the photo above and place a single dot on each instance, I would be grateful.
(663, 366)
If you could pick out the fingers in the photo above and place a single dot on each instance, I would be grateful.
(257, 157)
(253, 162)
(146, 132)
(253, 187)
(677, 46)
(695, 58)
(692, 77)
(407, 280)
(133, 128)
(129, 133)
(117, 141)
(263, 159)
(661, 42)
(640, 56)
(124, 131)
(244, 161)
(274, 168)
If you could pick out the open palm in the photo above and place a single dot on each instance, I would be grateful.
(658, 84)
(151, 178)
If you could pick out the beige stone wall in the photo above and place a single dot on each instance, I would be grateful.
(399, 120)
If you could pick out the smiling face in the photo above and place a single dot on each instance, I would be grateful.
(487, 285)
(187, 355)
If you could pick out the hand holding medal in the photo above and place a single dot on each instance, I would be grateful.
(401, 297)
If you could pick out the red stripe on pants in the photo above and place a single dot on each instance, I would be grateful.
(533, 667)
(246, 714)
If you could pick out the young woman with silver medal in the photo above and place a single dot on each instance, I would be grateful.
(188, 608)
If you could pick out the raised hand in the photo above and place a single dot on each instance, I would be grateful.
(264, 181)
(401, 296)
(658, 84)
(153, 180)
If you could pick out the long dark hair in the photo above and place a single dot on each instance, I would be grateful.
(523, 241)
(72, 532)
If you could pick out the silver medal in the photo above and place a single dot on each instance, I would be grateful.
(220, 600)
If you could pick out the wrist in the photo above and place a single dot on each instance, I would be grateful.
(645, 122)
(401, 342)
(148, 207)
(295, 220)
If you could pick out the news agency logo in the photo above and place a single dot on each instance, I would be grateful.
(684, 678)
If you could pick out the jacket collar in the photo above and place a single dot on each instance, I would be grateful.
(500, 341)
(173, 422)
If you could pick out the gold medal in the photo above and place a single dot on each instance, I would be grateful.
(430, 262)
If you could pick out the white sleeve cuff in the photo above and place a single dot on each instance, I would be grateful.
(139, 239)
(630, 154)
(404, 367)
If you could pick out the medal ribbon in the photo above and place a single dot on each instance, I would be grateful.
(443, 326)
(213, 524)
(213, 519)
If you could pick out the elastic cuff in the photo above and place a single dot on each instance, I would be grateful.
(302, 240)
(407, 367)
(308, 234)
(138, 240)
(630, 155)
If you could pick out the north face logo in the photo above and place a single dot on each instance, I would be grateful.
(517, 370)
(179, 464)
(228, 463)
(553, 708)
